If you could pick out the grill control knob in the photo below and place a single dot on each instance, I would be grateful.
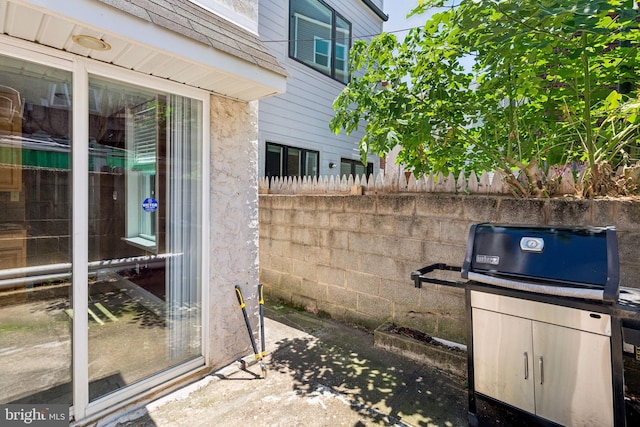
(531, 244)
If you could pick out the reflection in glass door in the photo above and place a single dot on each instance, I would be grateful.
(145, 169)
(131, 239)
(35, 229)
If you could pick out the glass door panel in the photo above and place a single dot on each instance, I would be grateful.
(145, 180)
(35, 229)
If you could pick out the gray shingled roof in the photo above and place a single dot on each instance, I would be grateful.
(191, 20)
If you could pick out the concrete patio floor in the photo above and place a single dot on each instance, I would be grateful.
(320, 373)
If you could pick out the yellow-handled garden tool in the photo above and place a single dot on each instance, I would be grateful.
(257, 355)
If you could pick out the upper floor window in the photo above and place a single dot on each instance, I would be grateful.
(319, 38)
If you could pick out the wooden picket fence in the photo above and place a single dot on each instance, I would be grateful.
(487, 183)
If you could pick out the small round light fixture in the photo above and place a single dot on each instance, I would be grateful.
(91, 42)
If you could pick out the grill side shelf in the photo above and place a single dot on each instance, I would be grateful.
(421, 276)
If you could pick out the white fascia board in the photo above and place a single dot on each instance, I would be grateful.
(139, 31)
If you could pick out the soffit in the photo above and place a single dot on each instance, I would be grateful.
(172, 39)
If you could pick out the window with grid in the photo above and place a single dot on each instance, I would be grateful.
(320, 38)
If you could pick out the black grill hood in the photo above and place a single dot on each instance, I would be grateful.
(551, 256)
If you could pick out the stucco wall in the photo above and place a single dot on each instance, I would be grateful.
(351, 256)
(248, 8)
(233, 255)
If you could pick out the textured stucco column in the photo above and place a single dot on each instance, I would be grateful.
(233, 257)
(248, 8)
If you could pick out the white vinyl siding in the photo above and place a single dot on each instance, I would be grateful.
(300, 117)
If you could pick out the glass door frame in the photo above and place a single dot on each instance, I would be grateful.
(81, 68)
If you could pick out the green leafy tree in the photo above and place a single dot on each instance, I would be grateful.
(552, 82)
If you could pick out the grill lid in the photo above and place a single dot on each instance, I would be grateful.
(568, 261)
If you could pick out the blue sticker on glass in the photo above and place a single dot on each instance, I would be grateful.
(150, 204)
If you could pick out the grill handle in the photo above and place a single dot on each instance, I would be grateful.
(562, 291)
(419, 276)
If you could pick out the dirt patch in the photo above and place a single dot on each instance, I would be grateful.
(422, 337)
(422, 348)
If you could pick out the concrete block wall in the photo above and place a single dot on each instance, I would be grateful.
(351, 256)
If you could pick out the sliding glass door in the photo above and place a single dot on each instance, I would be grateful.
(145, 171)
(35, 230)
(101, 237)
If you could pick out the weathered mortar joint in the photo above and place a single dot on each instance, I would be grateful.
(368, 245)
(416, 314)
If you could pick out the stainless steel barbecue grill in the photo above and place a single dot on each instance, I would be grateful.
(543, 337)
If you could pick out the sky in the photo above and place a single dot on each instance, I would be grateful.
(397, 11)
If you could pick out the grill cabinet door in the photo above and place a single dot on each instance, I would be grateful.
(573, 381)
(502, 358)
